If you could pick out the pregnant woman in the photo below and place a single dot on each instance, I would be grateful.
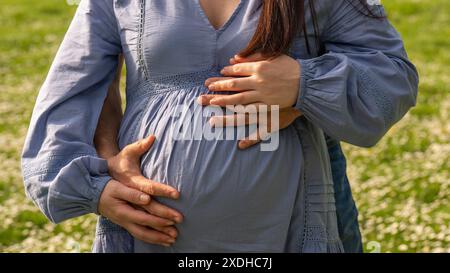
(231, 200)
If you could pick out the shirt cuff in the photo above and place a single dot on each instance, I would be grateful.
(99, 184)
(305, 76)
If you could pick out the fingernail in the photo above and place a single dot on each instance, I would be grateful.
(174, 195)
(242, 145)
(200, 100)
(178, 219)
(166, 245)
(144, 198)
(214, 101)
(212, 87)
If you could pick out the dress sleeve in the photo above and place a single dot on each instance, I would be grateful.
(364, 83)
(62, 173)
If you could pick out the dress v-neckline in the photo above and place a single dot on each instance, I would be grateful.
(226, 24)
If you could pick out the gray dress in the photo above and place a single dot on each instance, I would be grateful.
(233, 201)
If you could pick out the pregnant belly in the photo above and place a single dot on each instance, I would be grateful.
(231, 199)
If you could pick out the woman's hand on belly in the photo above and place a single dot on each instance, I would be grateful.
(117, 204)
(125, 168)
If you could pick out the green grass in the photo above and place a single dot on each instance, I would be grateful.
(401, 186)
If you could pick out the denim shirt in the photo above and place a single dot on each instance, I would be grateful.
(355, 92)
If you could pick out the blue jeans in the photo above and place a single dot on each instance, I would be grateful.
(347, 213)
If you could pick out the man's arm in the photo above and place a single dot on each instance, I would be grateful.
(124, 165)
(105, 138)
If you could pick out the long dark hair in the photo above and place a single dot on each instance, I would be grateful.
(281, 21)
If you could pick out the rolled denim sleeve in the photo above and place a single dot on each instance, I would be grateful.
(364, 83)
(62, 173)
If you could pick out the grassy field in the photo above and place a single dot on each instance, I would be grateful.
(401, 186)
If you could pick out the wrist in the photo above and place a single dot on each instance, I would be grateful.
(103, 185)
(296, 83)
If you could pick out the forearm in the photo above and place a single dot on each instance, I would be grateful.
(105, 139)
(61, 171)
(364, 84)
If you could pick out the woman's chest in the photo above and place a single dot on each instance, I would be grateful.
(171, 37)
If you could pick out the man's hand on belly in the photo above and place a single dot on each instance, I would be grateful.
(231, 82)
